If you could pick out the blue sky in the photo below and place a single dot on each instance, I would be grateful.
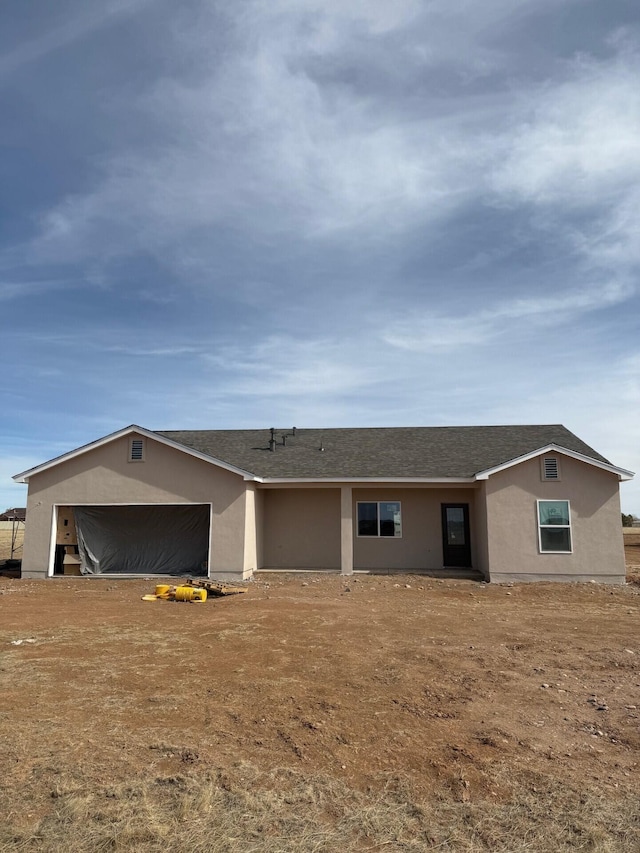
(321, 213)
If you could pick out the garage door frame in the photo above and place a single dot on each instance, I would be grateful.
(54, 526)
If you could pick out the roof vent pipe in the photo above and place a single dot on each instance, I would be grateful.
(272, 444)
(294, 431)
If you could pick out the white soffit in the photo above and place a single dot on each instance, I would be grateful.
(133, 429)
(555, 448)
(293, 480)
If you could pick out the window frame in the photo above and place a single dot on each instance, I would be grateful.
(541, 526)
(377, 535)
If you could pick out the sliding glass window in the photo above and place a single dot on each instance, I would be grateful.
(379, 518)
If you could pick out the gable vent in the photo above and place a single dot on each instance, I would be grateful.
(136, 450)
(550, 469)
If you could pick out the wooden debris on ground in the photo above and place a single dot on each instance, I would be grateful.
(216, 588)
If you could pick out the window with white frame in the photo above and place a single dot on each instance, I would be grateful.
(379, 518)
(554, 527)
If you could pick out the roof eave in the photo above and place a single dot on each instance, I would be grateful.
(444, 480)
(134, 428)
(622, 473)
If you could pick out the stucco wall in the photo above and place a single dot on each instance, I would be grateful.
(104, 475)
(420, 547)
(301, 528)
(259, 528)
(481, 539)
(250, 555)
(598, 550)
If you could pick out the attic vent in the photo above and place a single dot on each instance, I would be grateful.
(136, 450)
(550, 468)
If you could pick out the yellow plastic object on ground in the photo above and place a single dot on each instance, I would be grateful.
(190, 593)
(164, 592)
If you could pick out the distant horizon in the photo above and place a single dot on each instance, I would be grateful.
(375, 214)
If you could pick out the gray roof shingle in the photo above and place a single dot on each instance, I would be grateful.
(385, 452)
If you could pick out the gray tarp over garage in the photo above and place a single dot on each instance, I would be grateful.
(158, 540)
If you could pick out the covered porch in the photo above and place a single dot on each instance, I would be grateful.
(377, 527)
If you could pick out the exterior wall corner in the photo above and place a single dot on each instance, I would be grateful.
(346, 530)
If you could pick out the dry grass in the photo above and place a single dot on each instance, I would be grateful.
(319, 715)
(243, 810)
(5, 543)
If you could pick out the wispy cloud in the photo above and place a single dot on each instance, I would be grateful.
(78, 27)
(262, 139)
(574, 157)
(284, 366)
(321, 213)
(27, 289)
(110, 340)
(579, 138)
(435, 332)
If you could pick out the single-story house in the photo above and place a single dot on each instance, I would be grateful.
(512, 502)
(16, 513)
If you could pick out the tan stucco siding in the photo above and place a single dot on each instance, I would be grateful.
(420, 546)
(259, 528)
(104, 476)
(512, 524)
(250, 533)
(480, 540)
(301, 528)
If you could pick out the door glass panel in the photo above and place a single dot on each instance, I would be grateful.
(455, 525)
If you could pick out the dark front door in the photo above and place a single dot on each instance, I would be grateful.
(456, 547)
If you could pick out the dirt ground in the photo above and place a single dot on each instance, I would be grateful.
(469, 694)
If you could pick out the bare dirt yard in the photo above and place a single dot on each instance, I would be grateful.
(319, 713)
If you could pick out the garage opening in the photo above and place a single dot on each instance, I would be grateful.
(141, 540)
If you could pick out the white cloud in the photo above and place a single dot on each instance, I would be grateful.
(276, 156)
(576, 158)
(329, 19)
(283, 366)
(440, 31)
(257, 141)
(27, 289)
(85, 23)
(580, 142)
(503, 321)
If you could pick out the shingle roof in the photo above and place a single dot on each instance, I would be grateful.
(19, 513)
(386, 452)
